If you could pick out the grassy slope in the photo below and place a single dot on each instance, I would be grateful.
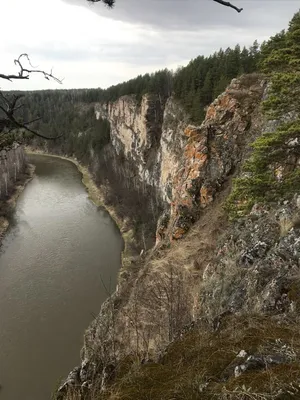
(200, 365)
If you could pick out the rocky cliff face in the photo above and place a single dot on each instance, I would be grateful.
(149, 134)
(186, 165)
(12, 164)
(217, 268)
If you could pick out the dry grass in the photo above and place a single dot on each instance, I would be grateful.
(248, 80)
(195, 366)
(288, 222)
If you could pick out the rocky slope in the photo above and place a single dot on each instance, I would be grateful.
(206, 282)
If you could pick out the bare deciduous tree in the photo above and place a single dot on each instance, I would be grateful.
(10, 104)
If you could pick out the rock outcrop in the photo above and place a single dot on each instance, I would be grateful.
(150, 135)
(12, 164)
(198, 294)
(186, 165)
(190, 168)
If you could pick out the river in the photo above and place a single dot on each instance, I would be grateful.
(57, 254)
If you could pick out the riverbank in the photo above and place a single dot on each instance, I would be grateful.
(97, 196)
(59, 257)
(7, 206)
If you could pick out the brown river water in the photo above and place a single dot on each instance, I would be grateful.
(58, 250)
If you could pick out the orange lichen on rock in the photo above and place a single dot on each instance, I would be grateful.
(211, 153)
(191, 131)
(211, 112)
(189, 151)
(201, 157)
(227, 102)
(178, 233)
(205, 196)
(224, 103)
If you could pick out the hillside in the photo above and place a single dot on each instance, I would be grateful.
(156, 105)
(212, 310)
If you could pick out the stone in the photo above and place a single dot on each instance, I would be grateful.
(73, 379)
(187, 165)
(244, 363)
(242, 354)
(298, 201)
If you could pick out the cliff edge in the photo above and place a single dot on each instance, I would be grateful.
(219, 305)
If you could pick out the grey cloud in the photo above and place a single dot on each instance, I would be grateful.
(174, 32)
(185, 29)
(170, 47)
(52, 51)
(197, 14)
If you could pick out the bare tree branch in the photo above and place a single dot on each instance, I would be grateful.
(24, 73)
(8, 104)
(10, 122)
(227, 4)
(111, 3)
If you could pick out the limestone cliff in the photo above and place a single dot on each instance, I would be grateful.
(150, 134)
(216, 313)
(218, 269)
(186, 165)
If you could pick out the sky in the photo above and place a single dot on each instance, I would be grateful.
(89, 45)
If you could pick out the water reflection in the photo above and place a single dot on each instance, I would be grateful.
(57, 251)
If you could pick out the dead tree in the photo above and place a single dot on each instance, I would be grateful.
(10, 104)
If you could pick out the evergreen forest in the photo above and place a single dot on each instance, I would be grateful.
(71, 112)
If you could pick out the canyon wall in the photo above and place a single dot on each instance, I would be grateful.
(157, 171)
(200, 277)
(185, 165)
(223, 277)
(12, 164)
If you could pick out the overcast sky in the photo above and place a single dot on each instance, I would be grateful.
(91, 46)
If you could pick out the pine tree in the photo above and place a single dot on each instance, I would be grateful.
(279, 149)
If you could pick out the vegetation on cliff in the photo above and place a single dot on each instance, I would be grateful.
(72, 114)
(206, 365)
(69, 112)
(224, 270)
(272, 171)
(204, 78)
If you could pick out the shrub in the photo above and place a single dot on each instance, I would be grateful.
(272, 171)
